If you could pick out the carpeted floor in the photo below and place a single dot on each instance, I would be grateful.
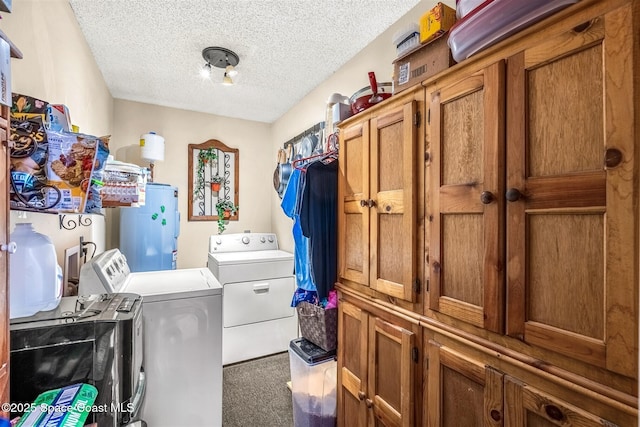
(255, 393)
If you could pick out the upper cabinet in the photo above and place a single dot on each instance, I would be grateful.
(377, 201)
(570, 209)
(533, 200)
(467, 198)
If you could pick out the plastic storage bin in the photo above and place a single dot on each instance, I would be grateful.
(314, 381)
(464, 7)
(495, 20)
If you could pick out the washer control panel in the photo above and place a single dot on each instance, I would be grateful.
(105, 272)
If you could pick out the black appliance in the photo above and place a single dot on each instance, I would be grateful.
(94, 339)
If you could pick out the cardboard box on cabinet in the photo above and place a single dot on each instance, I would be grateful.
(421, 63)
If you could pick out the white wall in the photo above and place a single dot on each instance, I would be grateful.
(180, 128)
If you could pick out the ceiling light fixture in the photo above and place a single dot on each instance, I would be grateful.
(221, 58)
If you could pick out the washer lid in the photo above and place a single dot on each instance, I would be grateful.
(166, 285)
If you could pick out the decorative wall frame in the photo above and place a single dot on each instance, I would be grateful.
(210, 162)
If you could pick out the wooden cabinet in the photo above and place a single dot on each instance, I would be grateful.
(466, 250)
(533, 194)
(377, 367)
(467, 387)
(377, 201)
(528, 224)
(462, 391)
(528, 406)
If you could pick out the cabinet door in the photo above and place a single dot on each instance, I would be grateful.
(353, 194)
(4, 259)
(462, 391)
(392, 371)
(526, 406)
(467, 203)
(571, 250)
(393, 214)
(352, 365)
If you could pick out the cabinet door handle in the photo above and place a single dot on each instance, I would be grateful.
(363, 203)
(513, 195)
(371, 203)
(486, 197)
(361, 395)
(369, 403)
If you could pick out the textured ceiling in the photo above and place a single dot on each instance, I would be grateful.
(151, 50)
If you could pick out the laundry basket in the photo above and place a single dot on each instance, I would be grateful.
(318, 325)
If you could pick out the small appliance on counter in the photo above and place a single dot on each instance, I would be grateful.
(182, 339)
(95, 339)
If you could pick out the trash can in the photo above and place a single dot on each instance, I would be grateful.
(314, 381)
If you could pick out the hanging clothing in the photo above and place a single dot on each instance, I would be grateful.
(318, 219)
(290, 204)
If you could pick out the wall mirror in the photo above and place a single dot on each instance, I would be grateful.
(213, 181)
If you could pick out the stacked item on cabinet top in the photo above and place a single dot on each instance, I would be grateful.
(493, 20)
(464, 7)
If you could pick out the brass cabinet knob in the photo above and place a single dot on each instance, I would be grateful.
(369, 403)
(361, 395)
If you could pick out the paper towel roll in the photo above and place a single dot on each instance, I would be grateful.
(152, 147)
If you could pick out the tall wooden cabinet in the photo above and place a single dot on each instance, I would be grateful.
(528, 228)
(378, 200)
(532, 191)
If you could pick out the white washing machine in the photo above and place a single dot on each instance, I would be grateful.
(182, 317)
(259, 283)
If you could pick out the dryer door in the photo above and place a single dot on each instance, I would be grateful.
(257, 301)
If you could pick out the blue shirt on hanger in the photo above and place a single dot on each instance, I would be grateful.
(290, 204)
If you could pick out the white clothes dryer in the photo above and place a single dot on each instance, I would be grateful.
(258, 282)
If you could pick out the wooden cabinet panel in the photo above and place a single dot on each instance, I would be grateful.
(352, 365)
(467, 182)
(377, 202)
(393, 217)
(377, 366)
(462, 391)
(570, 219)
(526, 406)
(353, 192)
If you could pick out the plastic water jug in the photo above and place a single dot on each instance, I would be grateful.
(34, 282)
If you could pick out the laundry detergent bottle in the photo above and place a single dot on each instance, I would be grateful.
(34, 282)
